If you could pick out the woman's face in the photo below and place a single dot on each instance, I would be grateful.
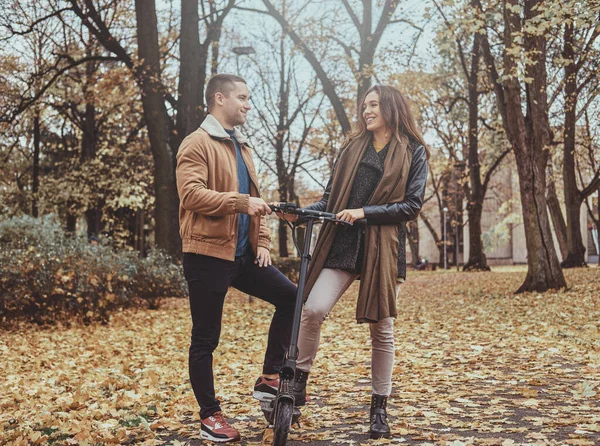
(372, 113)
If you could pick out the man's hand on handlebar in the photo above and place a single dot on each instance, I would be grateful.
(289, 217)
(290, 212)
(258, 206)
(351, 215)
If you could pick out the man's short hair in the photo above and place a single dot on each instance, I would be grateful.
(220, 83)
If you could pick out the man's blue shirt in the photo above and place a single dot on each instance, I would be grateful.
(244, 188)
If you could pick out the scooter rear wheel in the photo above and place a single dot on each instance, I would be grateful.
(283, 421)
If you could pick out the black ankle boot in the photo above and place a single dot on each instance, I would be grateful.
(379, 426)
(299, 387)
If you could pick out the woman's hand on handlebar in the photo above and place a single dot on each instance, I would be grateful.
(351, 215)
(289, 217)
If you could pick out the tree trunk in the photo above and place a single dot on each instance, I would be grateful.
(412, 233)
(598, 225)
(365, 58)
(140, 240)
(283, 227)
(573, 200)
(439, 242)
(576, 249)
(93, 215)
(88, 140)
(189, 100)
(477, 259)
(282, 129)
(558, 221)
(529, 136)
(71, 221)
(441, 255)
(543, 268)
(598, 232)
(157, 122)
(215, 45)
(283, 239)
(35, 184)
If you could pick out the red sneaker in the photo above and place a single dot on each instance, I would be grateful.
(216, 428)
(265, 389)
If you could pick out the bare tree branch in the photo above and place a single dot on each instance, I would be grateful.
(33, 24)
(352, 15)
(491, 170)
(327, 84)
(28, 102)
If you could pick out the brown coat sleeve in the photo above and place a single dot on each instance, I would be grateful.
(192, 184)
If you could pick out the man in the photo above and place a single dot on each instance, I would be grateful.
(226, 243)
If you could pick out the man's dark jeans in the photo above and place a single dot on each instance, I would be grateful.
(208, 280)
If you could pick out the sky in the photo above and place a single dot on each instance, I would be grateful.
(243, 28)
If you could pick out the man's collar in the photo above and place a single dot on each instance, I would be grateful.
(214, 128)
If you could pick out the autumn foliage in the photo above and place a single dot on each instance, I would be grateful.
(475, 365)
(47, 276)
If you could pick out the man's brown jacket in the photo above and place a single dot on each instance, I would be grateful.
(207, 184)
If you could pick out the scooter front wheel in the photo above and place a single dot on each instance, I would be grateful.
(283, 421)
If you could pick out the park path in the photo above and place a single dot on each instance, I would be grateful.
(475, 364)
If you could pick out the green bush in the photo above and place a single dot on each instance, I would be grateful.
(23, 232)
(46, 276)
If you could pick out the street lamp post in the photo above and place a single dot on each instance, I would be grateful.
(445, 244)
(241, 51)
(459, 167)
(457, 227)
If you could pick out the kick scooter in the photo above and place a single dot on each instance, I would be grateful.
(281, 412)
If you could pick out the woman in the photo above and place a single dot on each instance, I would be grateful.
(379, 176)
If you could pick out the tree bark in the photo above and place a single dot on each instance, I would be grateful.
(93, 215)
(573, 199)
(365, 58)
(282, 129)
(71, 224)
(529, 136)
(215, 46)
(157, 121)
(412, 233)
(191, 83)
(558, 221)
(283, 239)
(476, 188)
(35, 183)
(195, 57)
(70, 220)
(477, 259)
(139, 238)
(93, 218)
(438, 241)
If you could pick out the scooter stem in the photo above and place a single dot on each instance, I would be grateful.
(289, 367)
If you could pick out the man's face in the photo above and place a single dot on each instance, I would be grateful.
(235, 105)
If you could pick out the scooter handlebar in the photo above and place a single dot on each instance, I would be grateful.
(292, 208)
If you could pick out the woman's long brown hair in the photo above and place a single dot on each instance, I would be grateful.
(396, 113)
